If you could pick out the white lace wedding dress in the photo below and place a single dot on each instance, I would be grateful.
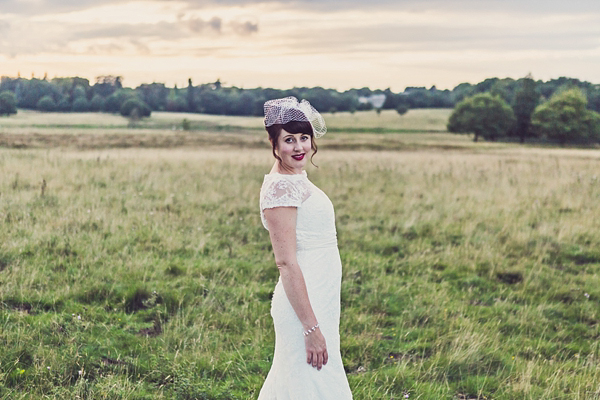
(290, 376)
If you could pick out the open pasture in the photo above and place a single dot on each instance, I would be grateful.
(146, 273)
(416, 130)
(387, 120)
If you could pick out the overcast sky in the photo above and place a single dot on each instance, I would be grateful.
(337, 44)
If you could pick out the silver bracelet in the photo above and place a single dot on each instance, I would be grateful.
(311, 330)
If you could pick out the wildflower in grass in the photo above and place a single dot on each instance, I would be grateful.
(587, 295)
(21, 371)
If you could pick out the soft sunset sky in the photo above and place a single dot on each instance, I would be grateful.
(334, 44)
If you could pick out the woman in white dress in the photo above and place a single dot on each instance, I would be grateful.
(306, 303)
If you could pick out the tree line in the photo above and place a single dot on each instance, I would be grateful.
(566, 115)
(107, 94)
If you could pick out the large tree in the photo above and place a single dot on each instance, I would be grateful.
(8, 103)
(565, 118)
(526, 99)
(46, 103)
(482, 115)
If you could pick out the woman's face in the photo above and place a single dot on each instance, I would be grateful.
(293, 149)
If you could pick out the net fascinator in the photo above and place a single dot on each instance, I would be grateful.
(282, 111)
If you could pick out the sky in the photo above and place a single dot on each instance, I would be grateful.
(279, 43)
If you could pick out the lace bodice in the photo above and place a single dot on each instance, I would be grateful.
(315, 223)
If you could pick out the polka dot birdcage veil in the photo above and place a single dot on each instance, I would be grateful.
(282, 111)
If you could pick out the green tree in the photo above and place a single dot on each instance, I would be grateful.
(46, 103)
(526, 100)
(483, 115)
(191, 96)
(63, 105)
(97, 103)
(30, 92)
(8, 103)
(504, 88)
(79, 92)
(565, 118)
(128, 107)
(81, 104)
(114, 102)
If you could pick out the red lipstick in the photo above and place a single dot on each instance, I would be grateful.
(298, 157)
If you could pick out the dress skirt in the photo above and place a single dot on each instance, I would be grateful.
(291, 377)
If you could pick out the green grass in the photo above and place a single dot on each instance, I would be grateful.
(470, 269)
(146, 274)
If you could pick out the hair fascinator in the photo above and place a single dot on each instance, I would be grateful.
(282, 111)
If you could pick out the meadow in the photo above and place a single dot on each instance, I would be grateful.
(470, 270)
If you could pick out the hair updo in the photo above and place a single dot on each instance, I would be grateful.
(303, 127)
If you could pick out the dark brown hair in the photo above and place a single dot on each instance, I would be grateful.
(303, 127)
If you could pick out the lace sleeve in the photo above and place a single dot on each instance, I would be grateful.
(283, 191)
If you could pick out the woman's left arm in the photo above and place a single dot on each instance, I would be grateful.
(282, 230)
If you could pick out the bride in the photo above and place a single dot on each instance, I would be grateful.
(306, 302)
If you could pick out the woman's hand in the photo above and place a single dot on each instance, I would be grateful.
(316, 349)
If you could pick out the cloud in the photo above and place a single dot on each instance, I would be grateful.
(198, 25)
(390, 38)
(509, 6)
(245, 27)
(37, 7)
(162, 30)
(82, 34)
(539, 7)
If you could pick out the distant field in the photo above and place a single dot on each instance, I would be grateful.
(389, 120)
(418, 129)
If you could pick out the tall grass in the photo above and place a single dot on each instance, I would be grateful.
(146, 273)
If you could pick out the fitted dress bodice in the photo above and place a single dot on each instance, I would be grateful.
(315, 223)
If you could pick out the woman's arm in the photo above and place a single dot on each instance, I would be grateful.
(282, 230)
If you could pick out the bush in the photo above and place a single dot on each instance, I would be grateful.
(131, 104)
(8, 103)
(565, 118)
(81, 104)
(402, 109)
(484, 115)
(46, 103)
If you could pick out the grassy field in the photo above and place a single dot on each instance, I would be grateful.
(369, 121)
(470, 270)
(418, 129)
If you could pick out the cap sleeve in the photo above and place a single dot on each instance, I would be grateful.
(283, 191)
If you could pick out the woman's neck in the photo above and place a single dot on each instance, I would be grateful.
(280, 169)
